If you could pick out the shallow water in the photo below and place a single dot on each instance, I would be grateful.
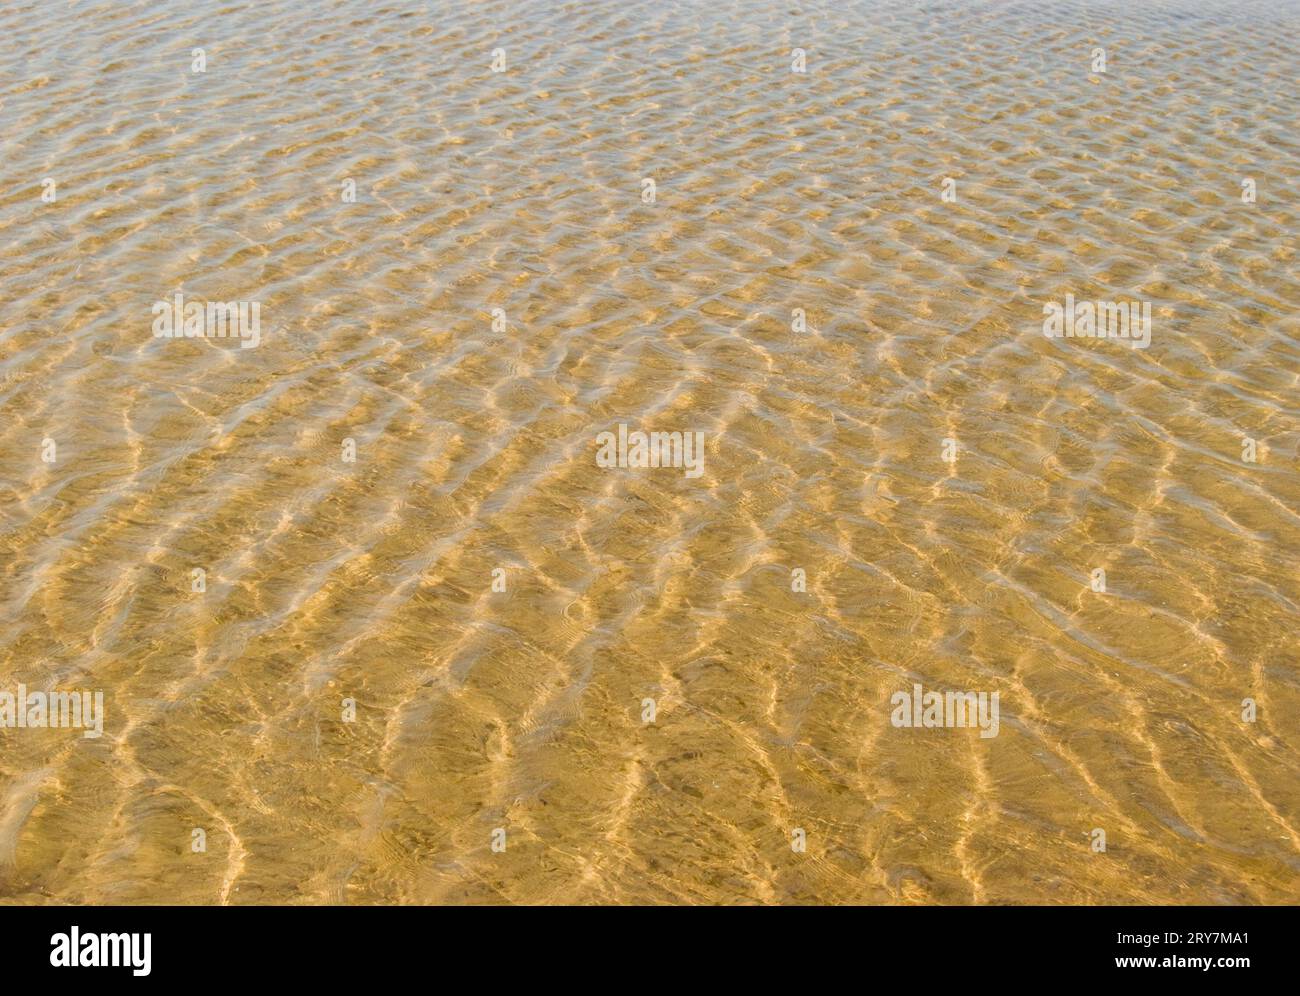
(824, 451)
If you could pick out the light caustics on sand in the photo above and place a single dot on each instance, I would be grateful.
(372, 622)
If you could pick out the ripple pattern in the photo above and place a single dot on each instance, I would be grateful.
(474, 431)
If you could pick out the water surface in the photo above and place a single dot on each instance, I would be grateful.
(475, 450)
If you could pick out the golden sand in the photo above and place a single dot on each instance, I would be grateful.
(947, 478)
